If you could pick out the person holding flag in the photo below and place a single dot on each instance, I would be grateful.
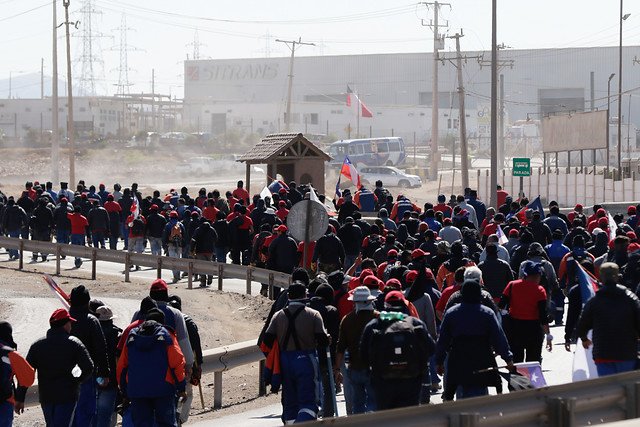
(614, 315)
(585, 288)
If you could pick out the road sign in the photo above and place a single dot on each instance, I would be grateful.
(298, 222)
(521, 166)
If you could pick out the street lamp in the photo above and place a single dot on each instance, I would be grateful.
(608, 113)
(623, 17)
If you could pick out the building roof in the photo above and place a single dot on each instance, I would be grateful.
(282, 146)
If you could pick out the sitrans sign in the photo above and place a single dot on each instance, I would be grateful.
(575, 131)
(231, 72)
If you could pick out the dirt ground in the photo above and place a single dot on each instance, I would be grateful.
(223, 318)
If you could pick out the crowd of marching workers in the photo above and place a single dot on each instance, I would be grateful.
(393, 303)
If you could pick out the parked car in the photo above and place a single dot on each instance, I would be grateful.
(197, 166)
(390, 177)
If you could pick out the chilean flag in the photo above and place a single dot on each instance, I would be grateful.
(365, 111)
(135, 207)
(533, 371)
(57, 290)
(588, 284)
(349, 171)
(536, 205)
(349, 92)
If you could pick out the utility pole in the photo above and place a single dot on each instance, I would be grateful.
(55, 143)
(291, 44)
(70, 125)
(494, 104)
(501, 151)
(153, 98)
(438, 43)
(464, 149)
(623, 17)
(41, 78)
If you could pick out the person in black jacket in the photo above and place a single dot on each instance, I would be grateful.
(322, 302)
(41, 224)
(156, 224)
(328, 254)
(496, 273)
(541, 231)
(87, 329)
(26, 203)
(347, 208)
(614, 315)
(203, 243)
(283, 252)
(55, 358)
(99, 224)
(196, 373)
(108, 395)
(351, 237)
(125, 203)
(222, 244)
(13, 220)
(61, 222)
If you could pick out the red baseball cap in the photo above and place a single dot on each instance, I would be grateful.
(372, 282)
(417, 253)
(411, 276)
(631, 210)
(394, 296)
(59, 315)
(447, 221)
(159, 285)
(154, 207)
(578, 207)
(394, 283)
(392, 253)
(282, 190)
(513, 233)
(364, 273)
(282, 228)
(173, 214)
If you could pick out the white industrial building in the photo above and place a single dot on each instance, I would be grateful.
(251, 93)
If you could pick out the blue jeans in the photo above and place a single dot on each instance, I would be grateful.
(612, 368)
(347, 389)
(98, 239)
(87, 404)
(466, 391)
(59, 414)
(151, 412)
(6, 414)
(221, 254)
(156, 245)
(361, 391)
(106, 406)
(62, 236)
(14, 253)
(77, 239)
(125, 234)
(299, 386)
(175, 252)
(113, 242)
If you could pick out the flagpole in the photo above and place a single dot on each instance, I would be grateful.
(358, 117)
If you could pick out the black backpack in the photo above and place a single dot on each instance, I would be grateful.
(6, 376)
(396, 350)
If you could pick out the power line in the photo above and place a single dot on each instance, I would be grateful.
(90, 58)
(25, 12)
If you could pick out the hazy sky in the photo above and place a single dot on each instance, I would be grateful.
(163, 30)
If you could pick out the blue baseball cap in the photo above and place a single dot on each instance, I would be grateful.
(532, 268)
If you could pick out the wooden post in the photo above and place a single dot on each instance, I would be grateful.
(127, 266)
(159, 268)
(190, 276)
(247, 184)
(594, 183)
(220, 275)
(271, 281)
(633, 185)
(94, 258)
(58, 256)
(21, 261)
(217, 390)
(248, 280)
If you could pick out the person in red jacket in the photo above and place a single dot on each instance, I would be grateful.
(79, 224)
(282, 211)
(241, 194)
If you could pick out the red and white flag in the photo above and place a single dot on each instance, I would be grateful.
(57, 290)
(349, 171)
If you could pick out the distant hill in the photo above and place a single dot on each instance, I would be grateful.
(28, 86)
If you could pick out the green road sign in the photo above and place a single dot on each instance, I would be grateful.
(521, 166)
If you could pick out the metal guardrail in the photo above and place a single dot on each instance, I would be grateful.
(607, 399)
(192, 266)
(216, 360)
